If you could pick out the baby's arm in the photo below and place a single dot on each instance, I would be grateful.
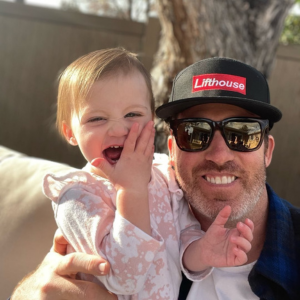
(131, 176)
(87, 218)
(220, 247)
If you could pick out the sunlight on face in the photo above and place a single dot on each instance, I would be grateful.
(113, 105)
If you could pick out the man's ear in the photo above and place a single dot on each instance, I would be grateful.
(269, 150)
(68, 133)
(171, 150)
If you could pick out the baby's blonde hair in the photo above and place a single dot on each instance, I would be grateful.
(77, 79)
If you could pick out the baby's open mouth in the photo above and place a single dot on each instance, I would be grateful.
(113, 153)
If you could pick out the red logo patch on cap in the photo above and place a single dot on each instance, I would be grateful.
(219, 82)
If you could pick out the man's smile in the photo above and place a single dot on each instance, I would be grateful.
(220, 179)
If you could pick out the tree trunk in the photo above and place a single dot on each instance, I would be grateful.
(247, 30)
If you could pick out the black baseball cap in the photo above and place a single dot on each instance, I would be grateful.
(220, 80)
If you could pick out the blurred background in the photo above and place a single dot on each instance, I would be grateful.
(39, 38)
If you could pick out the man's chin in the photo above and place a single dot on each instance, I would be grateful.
(212, 206)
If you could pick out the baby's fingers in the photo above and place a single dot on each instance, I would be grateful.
(130, 142)
(240, 256)
(146, 139)
(241, 243)
(246, 230)
(250, 224)
(149, 151)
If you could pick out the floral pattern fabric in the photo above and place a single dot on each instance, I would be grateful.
(142, 266)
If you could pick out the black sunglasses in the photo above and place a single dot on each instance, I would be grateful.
(240, 134)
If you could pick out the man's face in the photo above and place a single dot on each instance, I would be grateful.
(219, 176)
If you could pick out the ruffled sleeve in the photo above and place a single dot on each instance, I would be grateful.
(188, 236)
(187, 226)
(86, 215)
(54, 185)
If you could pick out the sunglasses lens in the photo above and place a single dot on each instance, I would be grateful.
(240, 134)
(243, 136)
(193, 136)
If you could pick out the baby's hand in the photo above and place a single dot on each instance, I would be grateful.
(131, 175)
(224, 247)
(241, 243)
(133, 169)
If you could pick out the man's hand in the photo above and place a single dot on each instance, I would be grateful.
(55, 279)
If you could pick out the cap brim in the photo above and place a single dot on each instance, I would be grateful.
(263, 110)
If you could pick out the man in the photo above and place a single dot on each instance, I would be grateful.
(221, 99)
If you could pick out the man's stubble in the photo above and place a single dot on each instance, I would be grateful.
(209, 206)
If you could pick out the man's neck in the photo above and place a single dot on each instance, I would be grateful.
(258, 216)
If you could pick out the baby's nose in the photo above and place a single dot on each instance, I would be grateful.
(118, 128)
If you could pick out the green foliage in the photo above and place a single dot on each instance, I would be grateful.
(291, 30)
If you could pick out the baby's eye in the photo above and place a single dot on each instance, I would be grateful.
(132, 115)
(96, 119)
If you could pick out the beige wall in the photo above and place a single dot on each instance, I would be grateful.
(284, 172)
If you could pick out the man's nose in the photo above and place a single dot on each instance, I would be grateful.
(218, 151)
(118, 128)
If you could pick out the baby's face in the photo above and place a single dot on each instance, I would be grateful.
(113, 105)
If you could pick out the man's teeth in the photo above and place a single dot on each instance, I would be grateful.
(220, 179)
(114, 147)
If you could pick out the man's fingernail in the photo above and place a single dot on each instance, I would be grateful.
(102, 267)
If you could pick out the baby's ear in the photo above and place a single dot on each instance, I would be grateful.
(68, 133)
